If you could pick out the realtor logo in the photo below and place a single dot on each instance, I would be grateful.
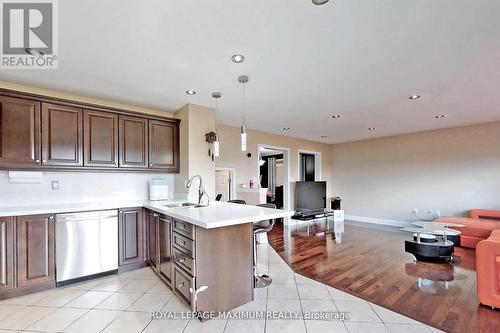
(29, 34)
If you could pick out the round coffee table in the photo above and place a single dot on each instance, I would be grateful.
(439, 251)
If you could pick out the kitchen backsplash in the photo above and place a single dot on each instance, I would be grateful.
(78, 187)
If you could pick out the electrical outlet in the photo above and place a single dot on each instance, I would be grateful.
(414, 211)
(55, 185)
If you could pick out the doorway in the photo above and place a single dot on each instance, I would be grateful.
(274, 174)
(224, 183)
(309, 168)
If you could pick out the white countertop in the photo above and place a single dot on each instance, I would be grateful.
(217, 214)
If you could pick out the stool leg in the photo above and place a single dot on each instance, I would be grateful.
(261, 280)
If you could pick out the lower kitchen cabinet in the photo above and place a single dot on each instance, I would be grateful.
(35, 250)
(131, 239)
(6, 254)
(152, 222)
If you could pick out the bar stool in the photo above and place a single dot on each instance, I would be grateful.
(261, 280)
(238, 201)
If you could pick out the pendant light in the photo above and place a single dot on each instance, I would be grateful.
(216, 144)
(243, 79)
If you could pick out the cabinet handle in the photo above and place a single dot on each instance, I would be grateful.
(155, 215)
(180, 285)
(182, 260)
(151, 164)
(44, 161)
(183, 242)
(51, 217)
(37, 161)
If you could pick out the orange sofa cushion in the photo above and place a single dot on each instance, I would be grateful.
(480, 228)
(488, 270)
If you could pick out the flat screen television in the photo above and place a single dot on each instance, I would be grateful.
(310, 196)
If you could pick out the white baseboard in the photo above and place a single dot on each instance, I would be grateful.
(366, 219)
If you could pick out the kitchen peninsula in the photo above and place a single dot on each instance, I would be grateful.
(203, 253)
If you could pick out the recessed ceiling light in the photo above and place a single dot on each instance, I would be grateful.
(439, 116)
(238, 58)
(371, 128)
(319, 2)
(34, 52)
(190, 92)
(415, 97)
(286, 128)
(336, 116)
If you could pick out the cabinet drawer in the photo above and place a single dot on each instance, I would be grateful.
(184, 228)
(184, 261)
(184, 244)
(183, 282)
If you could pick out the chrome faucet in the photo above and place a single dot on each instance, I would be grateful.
(201, 189)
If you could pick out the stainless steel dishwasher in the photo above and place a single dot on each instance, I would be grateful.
(86, 245)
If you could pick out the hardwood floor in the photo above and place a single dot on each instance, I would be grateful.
(371, 263)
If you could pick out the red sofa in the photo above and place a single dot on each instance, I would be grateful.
(477, 227)
(488, 270)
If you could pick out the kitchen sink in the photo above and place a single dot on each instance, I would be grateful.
(183, 205)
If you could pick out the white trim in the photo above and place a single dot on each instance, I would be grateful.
(317, 163)
(375, 220)
(286, 176)
(232, 172)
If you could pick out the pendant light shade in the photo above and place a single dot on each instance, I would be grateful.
(216, 144)
(243, 137)
(243, 79)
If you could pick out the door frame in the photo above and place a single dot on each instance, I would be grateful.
(232, 175)
(317, 163)
(286, 168)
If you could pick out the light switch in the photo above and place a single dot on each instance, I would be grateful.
(55, 185)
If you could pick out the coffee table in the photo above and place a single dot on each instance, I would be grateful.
(440, 250)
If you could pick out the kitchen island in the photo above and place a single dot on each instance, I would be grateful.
(203, 253)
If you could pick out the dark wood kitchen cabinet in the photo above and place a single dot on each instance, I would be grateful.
(131, 237)
(19, 132)
(153, 220)
(35, 250)
(133, 142)
(164, 145)
(62, 135)
(100, 139)
(47, 133)
(6, 254)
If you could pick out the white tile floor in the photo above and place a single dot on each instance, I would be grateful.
(122, 304)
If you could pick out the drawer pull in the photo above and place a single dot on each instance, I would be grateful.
(182, 260)
(180, 285)
(183, 242)
(183, 226)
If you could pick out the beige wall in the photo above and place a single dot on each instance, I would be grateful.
(196, 121)
(232, 157)
(83, 99)
(451, 170)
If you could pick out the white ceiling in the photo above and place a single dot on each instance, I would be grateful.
(360, 59)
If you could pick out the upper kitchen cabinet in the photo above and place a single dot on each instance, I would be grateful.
(164, 145)
(133, 142)
(62, 135)
(100, 139)
(19, 132)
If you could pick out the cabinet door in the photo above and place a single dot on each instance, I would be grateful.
(131, 236)
(153, 219)
(100, 139)
(19, 132)
(35, 250)
(164, 145)
(165, 240)
(6, 254)
(62, 135)
(133, 142)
